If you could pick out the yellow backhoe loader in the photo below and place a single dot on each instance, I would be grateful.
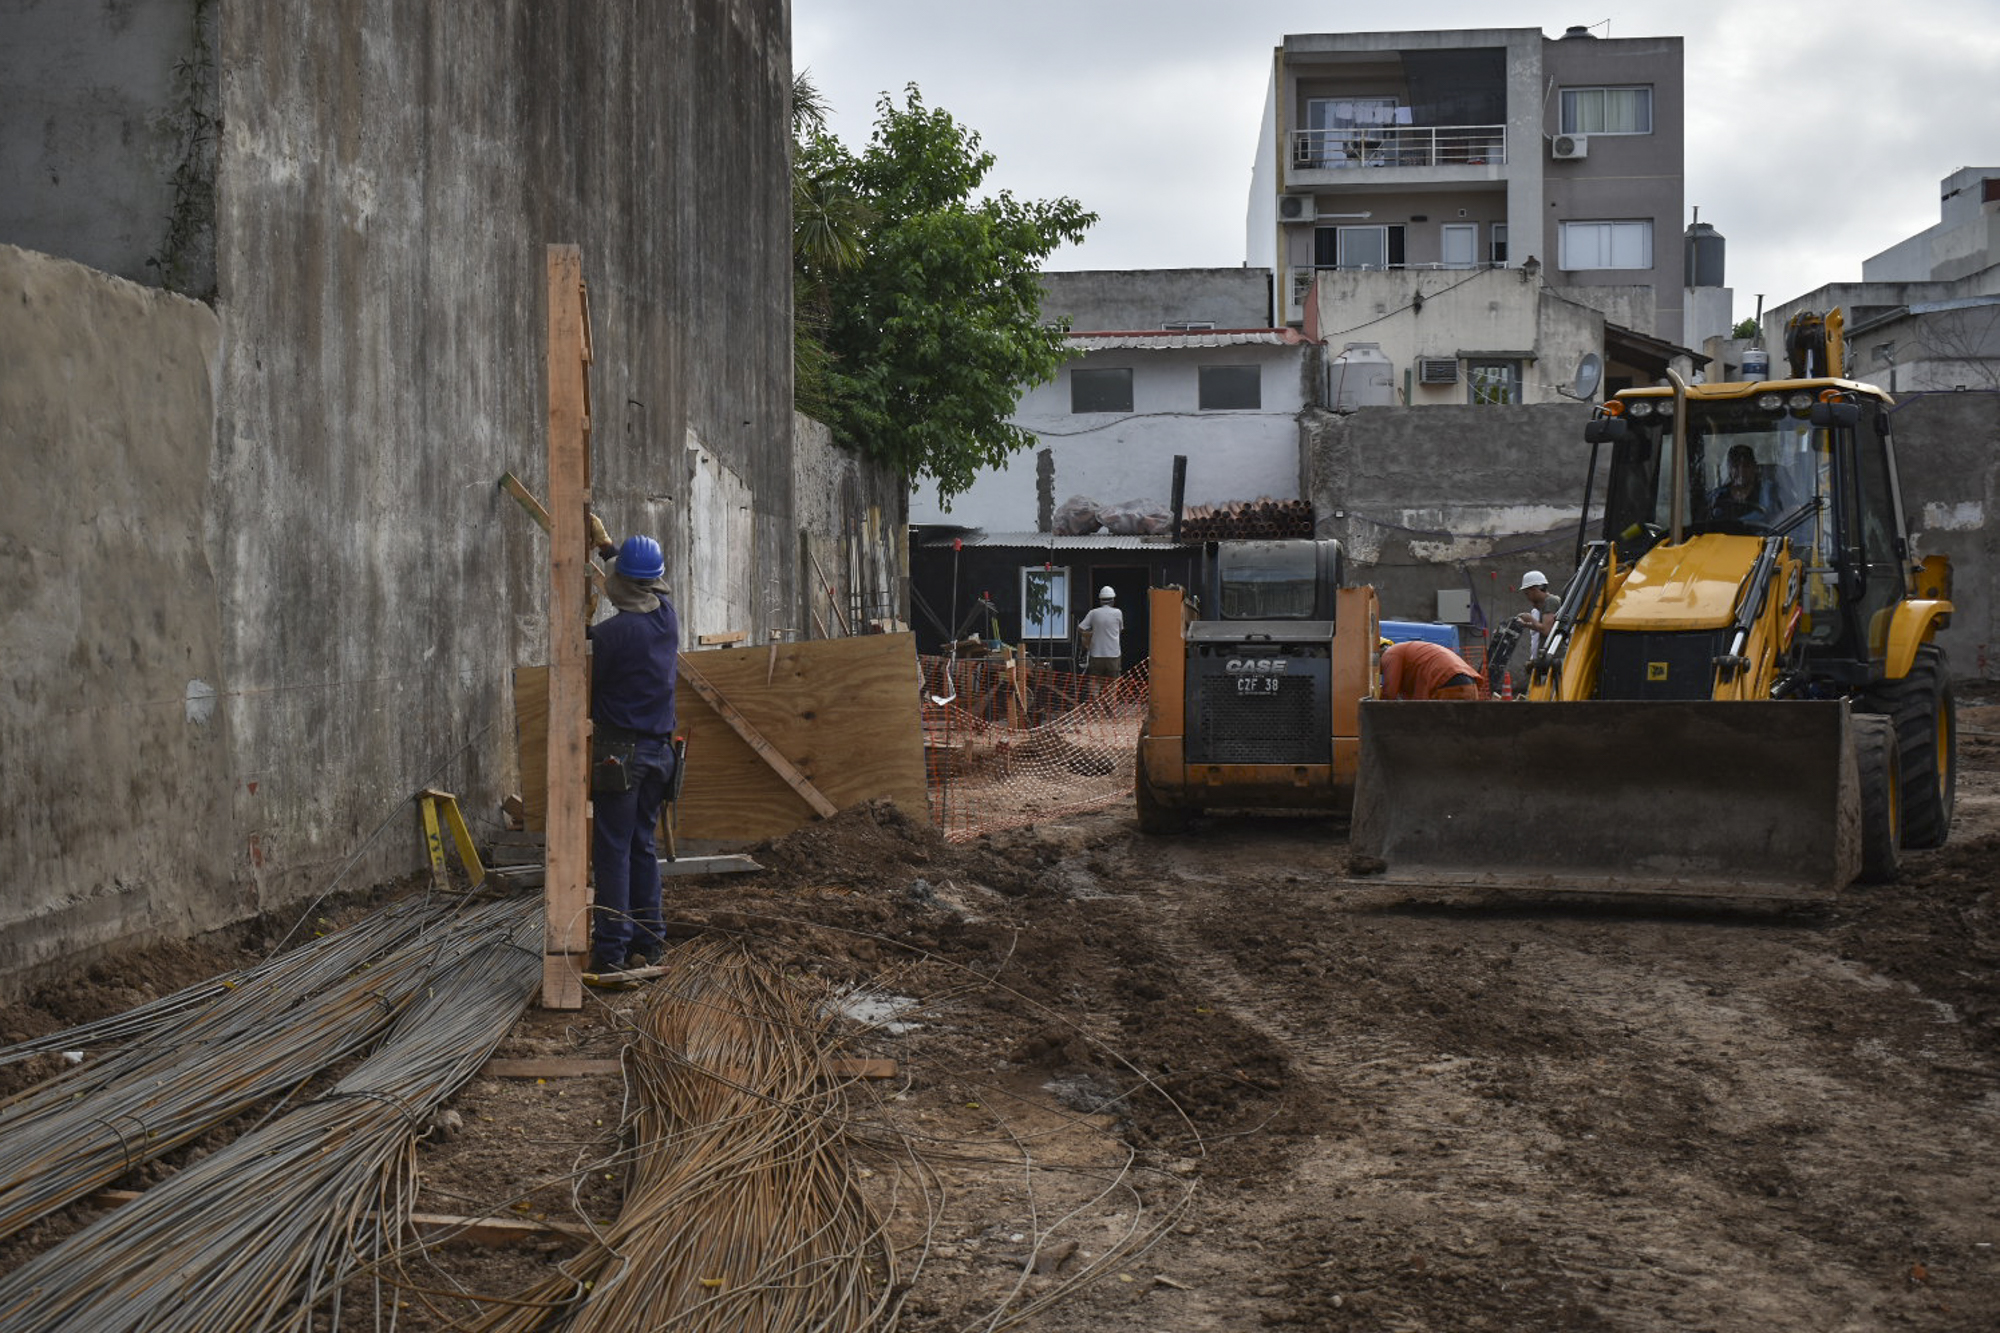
(1253, 704)
(1742, 694)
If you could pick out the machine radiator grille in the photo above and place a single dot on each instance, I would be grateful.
(1659, 664)
(1281, 728)
(1260, 703)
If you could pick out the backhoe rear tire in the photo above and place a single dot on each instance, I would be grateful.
(1876, 762)
(1926, 720)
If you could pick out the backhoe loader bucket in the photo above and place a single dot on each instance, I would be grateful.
(1739, 800)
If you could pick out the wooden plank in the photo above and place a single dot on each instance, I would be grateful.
(436, 1228)
(503, 1067)
(722, 640)
(500, 1067)
(566, 892)
(445, 1229)
(747, 730)
(531, 744)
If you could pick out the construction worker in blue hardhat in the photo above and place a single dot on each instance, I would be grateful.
(634, 663)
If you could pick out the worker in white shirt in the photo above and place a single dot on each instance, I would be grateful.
(1103, 629)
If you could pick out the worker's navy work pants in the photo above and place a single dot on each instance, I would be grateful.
(627, 863)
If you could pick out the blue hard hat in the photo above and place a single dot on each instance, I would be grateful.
(639, 559)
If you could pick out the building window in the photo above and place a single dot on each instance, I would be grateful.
(1348, 131)
(1459, 244)
(1493, 383)
(1231, 388)
(1358, 247)
(1106, 390)
(1498, 236)
(1044, 603)
(1607, 111)
(1588, 245)
(1183, 325)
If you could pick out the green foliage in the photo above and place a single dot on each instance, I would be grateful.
(932, 324)
(1746, 329)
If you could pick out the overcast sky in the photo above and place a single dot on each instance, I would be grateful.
(1812, 144)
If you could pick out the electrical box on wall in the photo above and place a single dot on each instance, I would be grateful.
(1455, 606)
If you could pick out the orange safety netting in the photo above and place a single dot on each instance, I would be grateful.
(1008, 743)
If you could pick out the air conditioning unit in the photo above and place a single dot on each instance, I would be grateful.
(1297, 208)
(1569, 147)
(1437, 370)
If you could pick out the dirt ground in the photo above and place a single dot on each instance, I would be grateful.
(1210, 1083)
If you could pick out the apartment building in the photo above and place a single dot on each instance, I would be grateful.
(1393, 168)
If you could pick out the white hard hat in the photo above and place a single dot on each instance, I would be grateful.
(1534, 578)
(1106, 594)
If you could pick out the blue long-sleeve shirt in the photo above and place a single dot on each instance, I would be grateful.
(634, 663)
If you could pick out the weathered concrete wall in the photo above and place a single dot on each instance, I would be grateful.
(94, 119)
(853, 545)
(115, 742)
(1228, 298)
(1434, 498)
(1948, 461)
(389, 179)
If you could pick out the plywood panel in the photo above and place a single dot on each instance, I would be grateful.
(843, 711)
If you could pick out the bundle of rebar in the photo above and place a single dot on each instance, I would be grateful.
(1247, 520)
(259, 1038)
(740, 1214)
(262, 1234)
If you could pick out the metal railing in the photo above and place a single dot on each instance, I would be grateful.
(1375, 146)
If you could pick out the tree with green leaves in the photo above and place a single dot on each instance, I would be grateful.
(933, 328)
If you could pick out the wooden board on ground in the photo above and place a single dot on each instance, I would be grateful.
(844, 712)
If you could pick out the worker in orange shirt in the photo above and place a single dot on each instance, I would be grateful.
(1420, 670)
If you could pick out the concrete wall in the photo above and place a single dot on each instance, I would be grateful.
(1227, 298)
(116, 740)
(1965, 239)
(1112, 457)
(93, 122)
(853, 540)
(1948, 462)
(1454, 314)
(388, 182)
(1434, 498)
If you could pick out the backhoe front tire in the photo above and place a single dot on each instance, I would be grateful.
(1926, 721)
(1876, 763)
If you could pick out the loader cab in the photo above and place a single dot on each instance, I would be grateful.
(1808, 460)
(1272, 580)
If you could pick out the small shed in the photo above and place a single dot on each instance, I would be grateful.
(1032, 587)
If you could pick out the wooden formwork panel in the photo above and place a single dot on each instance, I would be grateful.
(843, 713)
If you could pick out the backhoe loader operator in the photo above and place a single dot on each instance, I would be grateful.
(1422, 670)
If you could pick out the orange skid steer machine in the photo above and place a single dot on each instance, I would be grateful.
(1742, 695)
(1255, 702)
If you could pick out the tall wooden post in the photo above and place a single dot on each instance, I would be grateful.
(566, 942)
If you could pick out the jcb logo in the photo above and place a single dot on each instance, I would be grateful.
(1257, 666)
(1656, 671)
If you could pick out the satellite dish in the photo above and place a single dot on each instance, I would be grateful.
(1588, 371)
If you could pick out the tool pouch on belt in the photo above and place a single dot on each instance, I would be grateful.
(612, 751)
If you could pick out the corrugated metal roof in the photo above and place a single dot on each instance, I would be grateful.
(1097, 541)
(1107, 341)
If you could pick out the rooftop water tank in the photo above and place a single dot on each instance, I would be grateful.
(1360, 377)
(1704, 256)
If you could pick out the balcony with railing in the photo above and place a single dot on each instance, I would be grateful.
(1396, 148)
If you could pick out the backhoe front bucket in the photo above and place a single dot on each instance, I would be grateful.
(1743, 800)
